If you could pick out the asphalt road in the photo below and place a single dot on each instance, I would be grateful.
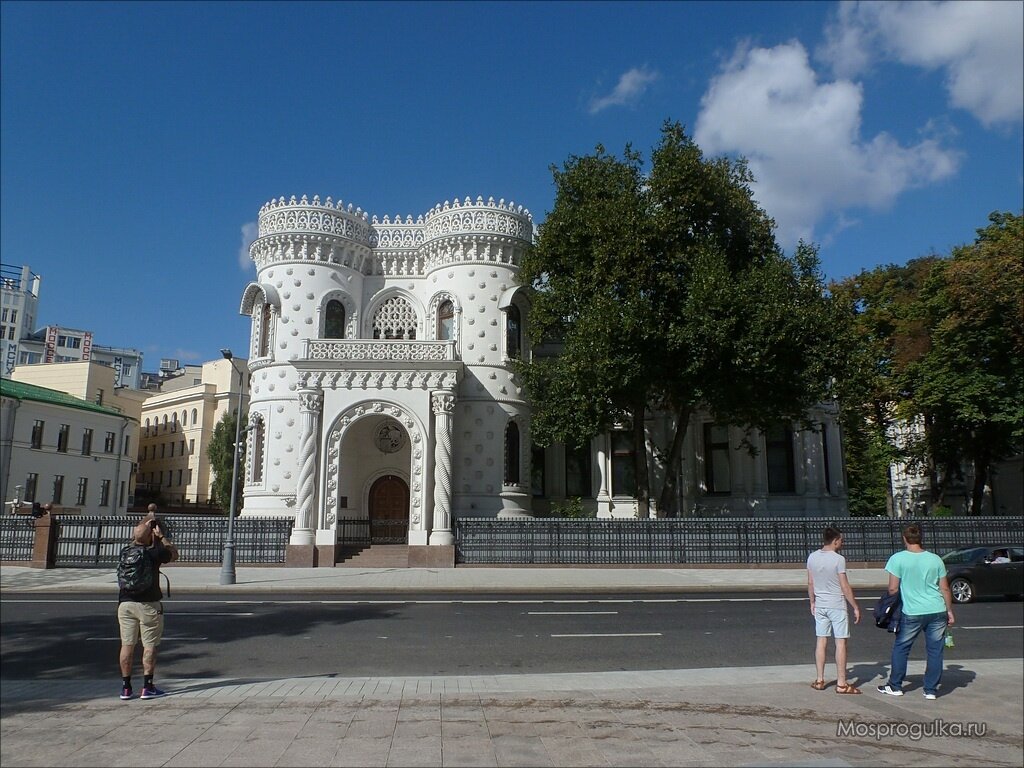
(251, 636)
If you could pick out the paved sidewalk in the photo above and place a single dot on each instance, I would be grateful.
(753, 716)
(758, 716)
(190, 579)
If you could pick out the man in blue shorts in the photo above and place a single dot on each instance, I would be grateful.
(830, 591)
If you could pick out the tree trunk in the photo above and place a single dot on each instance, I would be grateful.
(643, 485)
(980, 482)
(890, 503)
(667, 501)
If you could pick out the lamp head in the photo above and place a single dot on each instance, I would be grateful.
(226, 353)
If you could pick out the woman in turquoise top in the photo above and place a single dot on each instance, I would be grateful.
(920, 578)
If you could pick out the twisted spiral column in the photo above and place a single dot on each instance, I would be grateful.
(310, 405)
(443, 404)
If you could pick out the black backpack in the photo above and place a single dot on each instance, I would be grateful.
(135, 570)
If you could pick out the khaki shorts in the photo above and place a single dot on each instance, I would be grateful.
(145, 617)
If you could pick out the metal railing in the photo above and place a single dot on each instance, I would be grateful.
(705, 541)
(96, 542)
(355, 532)
(17, 537)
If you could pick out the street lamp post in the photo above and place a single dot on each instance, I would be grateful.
(227, 568)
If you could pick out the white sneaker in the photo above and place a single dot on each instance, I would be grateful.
(930, 696)
(889, 690)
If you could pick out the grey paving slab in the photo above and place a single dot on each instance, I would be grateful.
(468, 752)
(193, 579)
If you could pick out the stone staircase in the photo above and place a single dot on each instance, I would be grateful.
(375, 556)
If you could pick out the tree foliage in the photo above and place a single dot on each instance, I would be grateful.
(667, 290)
(221, 455)
(939, 342)
(887, 335)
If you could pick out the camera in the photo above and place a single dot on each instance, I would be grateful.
(159, 522)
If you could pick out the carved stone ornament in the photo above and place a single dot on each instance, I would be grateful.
(443, 402)
(389, 437)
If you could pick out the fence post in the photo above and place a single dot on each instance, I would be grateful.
(44, 546)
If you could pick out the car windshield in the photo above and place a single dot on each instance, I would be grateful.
(964, 555)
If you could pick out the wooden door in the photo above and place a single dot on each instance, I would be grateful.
(389, 511)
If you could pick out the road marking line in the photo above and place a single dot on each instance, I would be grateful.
(572, 613)
(614, 634)
(995, 626)
(176, 601)
(203, 613)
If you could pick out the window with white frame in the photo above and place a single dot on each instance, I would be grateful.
(513, 332)
(716, 458)
(334, 320)
(779, 459)
(512, 454)
(623, 464)
(446, 321)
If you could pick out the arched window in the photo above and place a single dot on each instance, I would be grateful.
(334, 320)
(513, 331)
(195, 416)
(446, 321)
(258, 440)
(394, 319)
(184, 418)
(512, 454)
(264, 343)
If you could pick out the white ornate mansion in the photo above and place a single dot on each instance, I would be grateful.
(382, 391)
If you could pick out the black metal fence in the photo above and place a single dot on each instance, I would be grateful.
(706, 541)
(96, 542)
(17, 537)
(353, 532)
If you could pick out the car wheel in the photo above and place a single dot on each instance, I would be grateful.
(962, 589)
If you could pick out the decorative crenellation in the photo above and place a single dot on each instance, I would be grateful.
(373, 380)
(448, 219)
(317, 248)
(378, 350)
(479, 218)
(312, 216)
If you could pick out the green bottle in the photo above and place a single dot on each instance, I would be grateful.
(949, 640)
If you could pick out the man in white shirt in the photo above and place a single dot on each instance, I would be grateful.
(829, 591)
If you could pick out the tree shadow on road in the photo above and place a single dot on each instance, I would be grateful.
(81, 648)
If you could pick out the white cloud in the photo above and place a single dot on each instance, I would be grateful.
(802, 140)
(631, 86)
(250, 231)
(978, 45)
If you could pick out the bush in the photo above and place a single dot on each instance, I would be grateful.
(572, 508)
(941, 511)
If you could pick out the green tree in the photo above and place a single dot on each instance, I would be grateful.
(969, 385)
(887, 335)
(668, 291)
(939, 342)
(222, 459)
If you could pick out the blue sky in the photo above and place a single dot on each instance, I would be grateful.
(140, 140)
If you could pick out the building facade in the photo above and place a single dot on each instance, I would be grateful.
(64, 450)
(59, 344)
(177, 423)
(383, 390)
(19, 305)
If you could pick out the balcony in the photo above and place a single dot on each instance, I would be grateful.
(378, 350)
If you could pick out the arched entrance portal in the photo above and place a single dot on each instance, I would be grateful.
(389, 511)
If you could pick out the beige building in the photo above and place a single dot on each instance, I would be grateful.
(57, 447)
(87, 379)
(176, 426)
